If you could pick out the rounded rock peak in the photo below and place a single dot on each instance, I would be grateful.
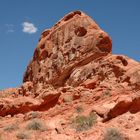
(74, 41)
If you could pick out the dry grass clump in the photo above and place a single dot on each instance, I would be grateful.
(82, 122)
(36, 124)
(10, 127)
(113, 134)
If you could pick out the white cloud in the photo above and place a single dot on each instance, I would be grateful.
(29, 28)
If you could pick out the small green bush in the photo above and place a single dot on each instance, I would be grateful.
(84, 122)
(113, 134)
(23, 135)
(36, 125)
(11, 127)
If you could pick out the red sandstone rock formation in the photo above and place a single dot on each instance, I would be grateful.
(73, 42)
(73, 74)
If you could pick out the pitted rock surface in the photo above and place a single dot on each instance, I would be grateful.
(74, 41)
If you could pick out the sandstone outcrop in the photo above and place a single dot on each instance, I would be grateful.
(75, 85)
(73, 42)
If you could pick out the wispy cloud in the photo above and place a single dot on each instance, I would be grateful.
(29, 28)
(9, 28)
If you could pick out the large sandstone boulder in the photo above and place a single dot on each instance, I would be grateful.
(74, 41)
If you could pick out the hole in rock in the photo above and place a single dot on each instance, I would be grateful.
(77, 12)
(39, 70)
(45, 33)
(73, 50)
(78, 47)
(105, 44)
(80, 31)
(44, 54)
(124, 62)
(41, 79)
(68, 40)
(71, 15)
(42, 46)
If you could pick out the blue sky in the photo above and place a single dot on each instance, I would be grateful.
(22, 21)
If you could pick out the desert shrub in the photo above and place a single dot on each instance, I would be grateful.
(34, 114)
(79, 109)
(106, 93)
(84, 122)
(113, 134)
(23, 135)
(36, 125)
(11, 127)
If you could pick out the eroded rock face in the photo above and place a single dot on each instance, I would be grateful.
(74, 41)
(14, 106)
